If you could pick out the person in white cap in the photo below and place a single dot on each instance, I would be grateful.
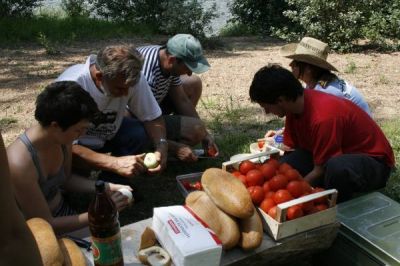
(311, 66)
(168, 70)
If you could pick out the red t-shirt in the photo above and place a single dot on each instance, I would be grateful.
(330, 126)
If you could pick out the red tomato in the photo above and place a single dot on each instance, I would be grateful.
(256, 193)
(272, 212)
(284, 167)
(266, 187)
(307, 206)
(274, 162)
(321, 207)
(246, 166)
(267, 204)
(243, 179)
(282, 195)
(306, 187)
(254, 178)
(294, 212)
(260, 144)
(295, 188)
(292, 174)
(211, 151)
(269, 194)
(236, 173)
(321, 200)
(268, 171)
(278, 182)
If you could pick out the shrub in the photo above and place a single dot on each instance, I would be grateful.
(186, 16)
(18, 8)
(168, 16)
(261, 16)
(75, 8)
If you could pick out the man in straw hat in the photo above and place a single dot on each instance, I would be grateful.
(336, 144)
(310, 65)
(168, 70)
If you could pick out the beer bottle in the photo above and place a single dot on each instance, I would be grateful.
(104, 228)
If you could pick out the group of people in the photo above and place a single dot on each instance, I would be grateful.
(104, 114)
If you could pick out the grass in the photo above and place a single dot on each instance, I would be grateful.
(351, 68)
(7, 122)
(50, 30)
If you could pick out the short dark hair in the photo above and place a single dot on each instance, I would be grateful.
(273, 81)
(66, 103)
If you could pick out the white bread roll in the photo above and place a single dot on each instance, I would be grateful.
(227, 192)
(251, 232)
(46, 241)
(223, 225)
(73, 256)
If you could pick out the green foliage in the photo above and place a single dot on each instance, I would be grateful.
(58, 29)
(392, 132)
(18, 8)
(167, 16)
(47, 44)
(186, 16)
(261, 16)
(75, 8)
(340, 23)
(235, 30)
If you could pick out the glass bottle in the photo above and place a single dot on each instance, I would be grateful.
(104, 228)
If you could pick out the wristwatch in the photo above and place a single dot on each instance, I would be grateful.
(162, 141)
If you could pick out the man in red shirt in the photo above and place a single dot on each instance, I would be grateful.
(336, 144)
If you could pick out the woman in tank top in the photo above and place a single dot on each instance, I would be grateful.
(40, 159)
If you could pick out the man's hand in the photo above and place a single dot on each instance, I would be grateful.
(121, 201)
(129, 166)
(209, 146)
(186, 154)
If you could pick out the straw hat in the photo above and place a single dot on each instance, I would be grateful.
(309, 50)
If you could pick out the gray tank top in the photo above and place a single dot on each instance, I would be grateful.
(52, 183)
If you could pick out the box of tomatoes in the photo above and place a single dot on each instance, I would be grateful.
(286, 202)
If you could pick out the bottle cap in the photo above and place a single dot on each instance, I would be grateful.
(100, 185)
(278, 139)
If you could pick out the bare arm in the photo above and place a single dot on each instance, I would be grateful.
(15, 234)
(315, 174)
(156, 131)
(127, 166)
(185, 107)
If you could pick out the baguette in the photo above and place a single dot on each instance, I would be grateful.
(73, 256)
(47, 243)
(251, 232)
(223, 225)
(227, 192)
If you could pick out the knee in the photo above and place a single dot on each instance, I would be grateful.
(193, 87)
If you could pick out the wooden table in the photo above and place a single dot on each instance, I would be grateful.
(270, 251)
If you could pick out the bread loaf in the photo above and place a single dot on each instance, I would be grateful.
(46, 241)
(251, 232)
(73, 256)
(223, 225)
(227, 192)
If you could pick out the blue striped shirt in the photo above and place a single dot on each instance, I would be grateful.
(158, 82)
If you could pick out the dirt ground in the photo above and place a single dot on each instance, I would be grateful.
(25, 71)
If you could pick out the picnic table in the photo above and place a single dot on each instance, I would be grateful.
(270, 251)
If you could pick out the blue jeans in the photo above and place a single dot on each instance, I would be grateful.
(130, 139)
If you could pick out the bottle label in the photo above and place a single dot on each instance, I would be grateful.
(107, 251)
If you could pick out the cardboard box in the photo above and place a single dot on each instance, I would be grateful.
(186, 238)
